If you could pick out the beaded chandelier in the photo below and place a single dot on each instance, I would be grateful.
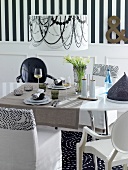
(58, 32)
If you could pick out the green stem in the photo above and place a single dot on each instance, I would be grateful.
(80, 74)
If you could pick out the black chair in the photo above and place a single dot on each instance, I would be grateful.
(27, 71)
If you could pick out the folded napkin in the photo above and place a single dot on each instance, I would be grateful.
(39, 94)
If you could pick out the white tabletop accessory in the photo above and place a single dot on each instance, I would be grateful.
(92, 86)
(84, 88)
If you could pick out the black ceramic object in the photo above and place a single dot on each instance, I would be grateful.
(41, 96)
(27, 70)
(119, 91)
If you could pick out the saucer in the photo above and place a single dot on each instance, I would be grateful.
(52, 86)
(30, 99)
(26, 101)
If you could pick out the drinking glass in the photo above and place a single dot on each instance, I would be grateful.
(38, 73)
(66, 83)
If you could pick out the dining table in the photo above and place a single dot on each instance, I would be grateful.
(64, 111)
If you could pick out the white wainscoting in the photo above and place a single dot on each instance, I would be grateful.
(13, 54)
(8, 87)
(10, 66)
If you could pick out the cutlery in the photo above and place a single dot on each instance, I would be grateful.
(72, 104)
(53, 103)
(56, 102)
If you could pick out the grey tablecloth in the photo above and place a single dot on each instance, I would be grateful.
(65, 115)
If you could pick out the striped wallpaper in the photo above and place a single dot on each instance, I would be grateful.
(14, 16)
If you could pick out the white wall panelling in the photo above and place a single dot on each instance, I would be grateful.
(32, 7)
(40, 6)
(72, 7)
(122, 16)
(113, 14)
(10, 66)
(81, 7)
(3, 19)
(18, 20)
(8, 87)
(97, 21)
(48, 7)
(57, 7)
(25, 21)
(12, 54)
(10, 20)
(105, 26)
(64, 9)
(89, 20)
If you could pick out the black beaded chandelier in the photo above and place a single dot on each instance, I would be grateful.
(58, 32)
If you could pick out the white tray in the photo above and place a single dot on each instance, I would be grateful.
(87, 98)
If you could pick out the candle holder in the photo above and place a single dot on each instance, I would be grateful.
(42, 86)
(54, 94)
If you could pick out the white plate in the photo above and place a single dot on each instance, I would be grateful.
(30, 99)
(41, 103)
(115, 101)
(52, 86)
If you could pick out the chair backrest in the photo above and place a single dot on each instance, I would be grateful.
(27, 70)
(18, 139)
(99, 73)
(101, 69)
(120, 133)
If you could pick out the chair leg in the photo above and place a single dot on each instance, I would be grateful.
(108, 166)
(95, 162)
(79, 157)
(125, 167)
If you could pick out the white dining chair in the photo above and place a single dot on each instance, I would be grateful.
(25, 146)
(112, 149)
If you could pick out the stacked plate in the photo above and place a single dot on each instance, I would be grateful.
(31, 101)
(53, 86)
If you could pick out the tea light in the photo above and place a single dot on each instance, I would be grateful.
(28, 87)
(18, 92)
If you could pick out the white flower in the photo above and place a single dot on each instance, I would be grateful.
(77, 61)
